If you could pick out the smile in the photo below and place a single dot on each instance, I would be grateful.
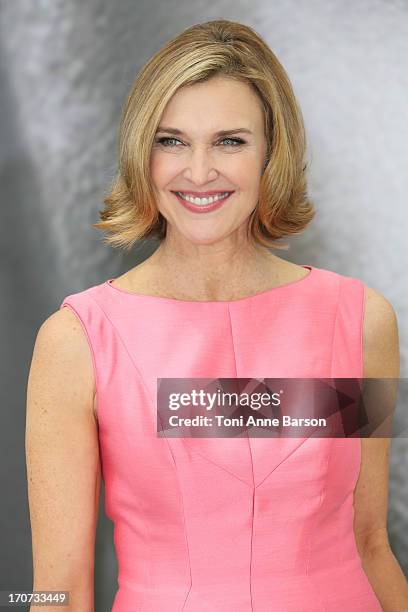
(203, 201)
(207, 204)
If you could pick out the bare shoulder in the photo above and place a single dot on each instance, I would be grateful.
(63, 461)
(380, 336)
(62, 356)
(381, 360)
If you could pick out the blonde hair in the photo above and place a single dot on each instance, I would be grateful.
(218, 47)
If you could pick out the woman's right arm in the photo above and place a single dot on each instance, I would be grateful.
(63, 464)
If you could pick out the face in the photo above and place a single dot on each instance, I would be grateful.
(191, 156)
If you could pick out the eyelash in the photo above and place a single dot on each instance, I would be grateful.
(238, 141)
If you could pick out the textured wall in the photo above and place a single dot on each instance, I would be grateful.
(65, 67)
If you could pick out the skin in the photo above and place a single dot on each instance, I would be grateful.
(204, 257)
(381, 360)
(207, 256)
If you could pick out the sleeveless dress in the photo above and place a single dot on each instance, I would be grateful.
(221, 524)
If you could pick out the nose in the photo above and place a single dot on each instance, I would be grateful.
(200, 168)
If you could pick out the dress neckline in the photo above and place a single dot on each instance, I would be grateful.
(248, 298)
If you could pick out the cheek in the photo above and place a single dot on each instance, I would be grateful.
(162, 168)
(247, 167)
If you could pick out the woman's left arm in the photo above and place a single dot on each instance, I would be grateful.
(381, 360)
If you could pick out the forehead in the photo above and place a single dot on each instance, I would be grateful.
(216, 104)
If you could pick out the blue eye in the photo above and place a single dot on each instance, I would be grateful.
(238, 141)
(165, 139)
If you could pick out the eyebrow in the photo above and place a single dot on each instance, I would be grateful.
(170, 130)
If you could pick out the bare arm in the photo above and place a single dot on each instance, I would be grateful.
(63, 467)
(381, 360)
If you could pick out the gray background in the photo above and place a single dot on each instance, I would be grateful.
(65, 68)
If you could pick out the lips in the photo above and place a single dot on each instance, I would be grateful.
(203, 208)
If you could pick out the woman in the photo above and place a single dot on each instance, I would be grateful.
(212, 152)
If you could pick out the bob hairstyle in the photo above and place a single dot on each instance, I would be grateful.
(218, 47)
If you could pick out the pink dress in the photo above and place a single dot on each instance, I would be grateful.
(227, 524)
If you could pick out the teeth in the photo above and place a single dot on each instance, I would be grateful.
(203, 201)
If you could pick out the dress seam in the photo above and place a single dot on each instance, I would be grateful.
(71, 306)
(165, 438)
(252, 468)
(324, 490)
(338, 305)
(309, 554)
